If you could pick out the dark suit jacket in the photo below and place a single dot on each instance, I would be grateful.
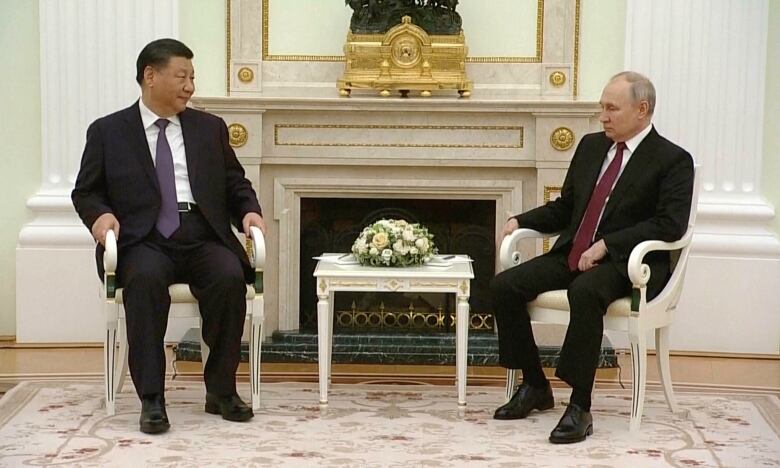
(651, 200)
(117, 176)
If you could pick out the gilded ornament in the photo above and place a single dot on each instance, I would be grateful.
(403, 58)
(557, 79)
(238, 135)
(562, 138)
(246, 75)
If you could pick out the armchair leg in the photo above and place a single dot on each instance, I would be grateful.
(204, 348)
(330, 343)
(662, 352)
(639, 371)
(511, 379)
(256, 307)
(121, 370)
(109, 352)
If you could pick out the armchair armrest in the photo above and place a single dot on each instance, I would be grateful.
(638, 272)
(109, 265)
(509, 257)
(257, 257)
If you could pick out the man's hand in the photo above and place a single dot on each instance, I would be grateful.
(101, 226)
(592, 256)
(510, 227)
(253, 219)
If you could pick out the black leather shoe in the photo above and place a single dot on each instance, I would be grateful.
(575, 425)
(526, 399)
(231, 407)
(154, 419)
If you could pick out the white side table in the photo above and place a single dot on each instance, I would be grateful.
(446, 274)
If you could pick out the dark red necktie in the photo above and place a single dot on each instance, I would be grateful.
(590, 221)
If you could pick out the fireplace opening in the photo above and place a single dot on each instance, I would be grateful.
(459, 227)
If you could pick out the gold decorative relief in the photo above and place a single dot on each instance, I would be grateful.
(434, 284)
(246, 75)
(562, 138)
(557, 79)
(353, 283)
(517, 130)
(238, 135)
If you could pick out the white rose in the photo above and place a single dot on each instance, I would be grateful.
(400, 247)
(414, 251)
(373, 251)
(408, 235)
(422, 244)
(361, 246)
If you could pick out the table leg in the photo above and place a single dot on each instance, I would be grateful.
(323, 345)
(461, 346)
(331, 305)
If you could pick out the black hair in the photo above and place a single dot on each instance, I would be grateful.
(157, 54)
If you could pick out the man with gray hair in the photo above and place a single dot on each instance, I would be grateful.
(624, 185)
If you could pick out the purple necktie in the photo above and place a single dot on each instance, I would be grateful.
(168, 218)
(598, 199)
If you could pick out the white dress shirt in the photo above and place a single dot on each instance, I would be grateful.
(175, 138)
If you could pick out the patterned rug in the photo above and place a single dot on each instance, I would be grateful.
(48, 423)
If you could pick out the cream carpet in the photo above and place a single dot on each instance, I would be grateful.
(63, 423)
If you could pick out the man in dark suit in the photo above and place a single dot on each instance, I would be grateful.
(625, 185)
(166, 175)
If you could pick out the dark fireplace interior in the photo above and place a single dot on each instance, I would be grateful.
(458, 226)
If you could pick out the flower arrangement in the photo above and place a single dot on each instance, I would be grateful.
(394, 242)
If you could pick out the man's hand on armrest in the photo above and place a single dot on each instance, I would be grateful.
(104, 223)
(253, 219)
(510, 227)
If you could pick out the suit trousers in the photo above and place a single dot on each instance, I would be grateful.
(589, 293)
(194, 255)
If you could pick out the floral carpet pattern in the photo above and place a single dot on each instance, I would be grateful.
(63, 423)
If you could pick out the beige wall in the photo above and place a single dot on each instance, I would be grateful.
(20, 135)
(602, 38)
(202, 27)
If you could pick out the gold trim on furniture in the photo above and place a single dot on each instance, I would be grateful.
(478, 59)
(229, 43)
(548, 190)
(246, 75)
(562, 138)
(238, 135)
(557, 79)
(512, 128)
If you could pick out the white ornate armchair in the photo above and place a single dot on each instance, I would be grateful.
(634, 314)
(114, 375)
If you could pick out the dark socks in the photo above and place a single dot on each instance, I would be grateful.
(581, 398)
(534, 376)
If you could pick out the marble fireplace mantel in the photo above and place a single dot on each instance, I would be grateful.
(315, 144)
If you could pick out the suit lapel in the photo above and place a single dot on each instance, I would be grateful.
(633, 170)
(589, 177)
(189, 128)
(139, 145)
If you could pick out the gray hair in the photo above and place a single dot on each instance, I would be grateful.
(642, 88)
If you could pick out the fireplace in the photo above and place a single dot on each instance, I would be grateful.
(458, 226)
